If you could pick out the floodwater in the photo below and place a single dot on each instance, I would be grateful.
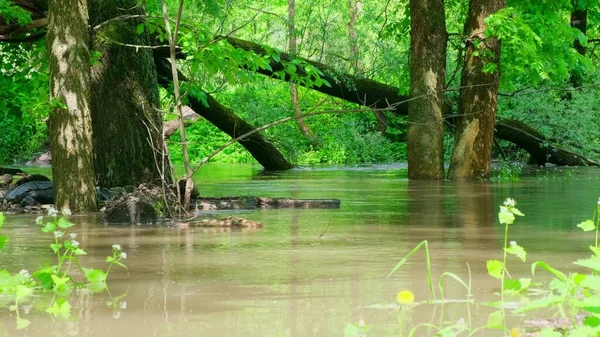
(313, 272)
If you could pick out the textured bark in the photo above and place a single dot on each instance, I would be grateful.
(477, 106)
(306, 131)
(128, 145)
(540, 147)
(578, 21)
(427, 78)
(227, 121)
(70, 122)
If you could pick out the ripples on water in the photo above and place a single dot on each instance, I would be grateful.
(287, 279)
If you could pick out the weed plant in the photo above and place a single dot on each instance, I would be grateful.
(574, 296)
(56, 281)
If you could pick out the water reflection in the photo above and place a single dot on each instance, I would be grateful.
(308, 272)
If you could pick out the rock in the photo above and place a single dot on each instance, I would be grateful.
(43, 160)
(31, 193)
(6, 180)
(145, 204)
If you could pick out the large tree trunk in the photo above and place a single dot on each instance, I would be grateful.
(227, 121)
(578, 21)
(427, 78)
(128, 142)
(478, 102)
(70, 121)
(371, 93)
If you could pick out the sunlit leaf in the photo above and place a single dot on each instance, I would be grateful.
(495, 320)
(589, 263)
(64, 223)
(592, 321)
(3, 240)
(548, 332)
(518, 251)
(587, 225)
(495, 268)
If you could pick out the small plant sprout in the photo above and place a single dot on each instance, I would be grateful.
(497, 269)
(593, 224)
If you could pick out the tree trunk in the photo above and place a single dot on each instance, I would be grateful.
(70, 122)
(128, 142)
(227, 121)
(427, 78)
(578, 21)
(375, 94)
(306, 131)
(474, 137)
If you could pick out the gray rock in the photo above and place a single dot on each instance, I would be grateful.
(31, 193)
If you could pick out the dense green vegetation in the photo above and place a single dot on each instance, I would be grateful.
(538, 63)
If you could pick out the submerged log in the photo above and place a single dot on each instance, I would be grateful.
(229, 222)
(228, 203)
(227, 121)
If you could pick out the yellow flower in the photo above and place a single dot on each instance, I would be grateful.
(405, 297)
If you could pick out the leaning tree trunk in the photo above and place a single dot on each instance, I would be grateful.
(70, 121)
(477, 106)
(227, 121)
(128, 144)
(427, 77)
(376, 94)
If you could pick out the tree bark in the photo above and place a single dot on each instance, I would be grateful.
(306, 131)
(578, 21)
(478, 102)
(70, 121)
(128, 142)
(371, 93)
(227, 121)
(427, 78)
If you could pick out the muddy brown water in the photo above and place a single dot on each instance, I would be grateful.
(313, 272)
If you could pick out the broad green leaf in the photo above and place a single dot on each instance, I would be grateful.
(139, 29)
(59, 281)
(56, 247)
(495, 320)
(512, 285)
(64, 223)
(95, 275)
(516, 211)
(592, 321)
(583, 331)
(49, 227)
(505, 216)
(518, 251)
(587, 225)
(546, 302)
(3, 240)
(595, 250)
(589, 263)
(60, 308)
(495, 268)
(1, 219)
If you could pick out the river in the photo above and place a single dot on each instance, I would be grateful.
(313, 272)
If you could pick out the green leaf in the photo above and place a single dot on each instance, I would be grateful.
(512, 285)
(495, 268)
(95, 275)
(23, 292)
(591, 321)
(60, 308)
(505, 216)
(59, 281)
(587, 225)
(589, 263)
(56, 247)
(3, 240)
(64, 223)
(516, 211)
(1, 219)
(22, 323)
(139, 29)
(495, 320)
(49, 227)
(558, 274)
(518, 251)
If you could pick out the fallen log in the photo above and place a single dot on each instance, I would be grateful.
(375, 94)
(227, 121)
(229, 203)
